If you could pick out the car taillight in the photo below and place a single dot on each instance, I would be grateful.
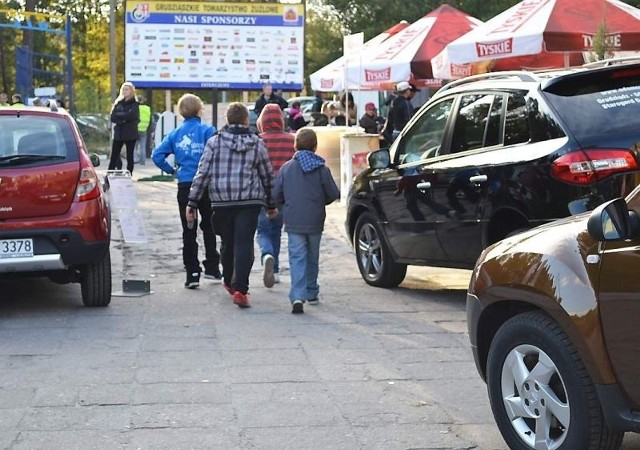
(88, 184)
(590, 166)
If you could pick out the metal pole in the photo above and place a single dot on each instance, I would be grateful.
(214, 107)
(112, 49)
(71, 101)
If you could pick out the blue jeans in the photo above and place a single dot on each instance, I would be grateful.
(268, 237)
(304, 258)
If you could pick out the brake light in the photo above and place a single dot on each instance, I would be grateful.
(88, 184)
(590, 166)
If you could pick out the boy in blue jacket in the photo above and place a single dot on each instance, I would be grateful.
(187, 144)
(304, 186)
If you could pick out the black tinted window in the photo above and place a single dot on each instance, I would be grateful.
(516, 127)
(425, 136)
(471, 122)
(602, 102)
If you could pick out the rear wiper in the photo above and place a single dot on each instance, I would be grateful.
(23, 159)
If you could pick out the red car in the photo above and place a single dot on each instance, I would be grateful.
(54, 216)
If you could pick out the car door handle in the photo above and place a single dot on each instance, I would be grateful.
(423, 185)
(478, 179)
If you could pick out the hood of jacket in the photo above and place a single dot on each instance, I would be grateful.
(239, 138)
(270, 119)
(308, 160)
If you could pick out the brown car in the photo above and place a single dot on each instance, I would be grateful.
(553, 317)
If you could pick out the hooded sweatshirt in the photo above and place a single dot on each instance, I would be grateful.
(279, 143)
(235, 168)
(303, 187)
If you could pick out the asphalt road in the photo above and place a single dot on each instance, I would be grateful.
(366, 369)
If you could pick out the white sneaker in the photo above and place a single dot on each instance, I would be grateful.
(268, 263)
(276, 278)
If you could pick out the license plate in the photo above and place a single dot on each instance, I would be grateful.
(16, 248)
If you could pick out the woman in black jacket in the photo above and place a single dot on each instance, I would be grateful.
(125, 115)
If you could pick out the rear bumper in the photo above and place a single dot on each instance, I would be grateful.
(56, 249)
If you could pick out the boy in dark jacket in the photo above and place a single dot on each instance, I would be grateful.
(303, 188)
(187, 143)
(280, 147)
(236, 171)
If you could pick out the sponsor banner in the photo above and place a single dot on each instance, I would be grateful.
(214, 45)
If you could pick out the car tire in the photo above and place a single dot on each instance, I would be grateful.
(558, 396)
(376, 265)
(95, 282)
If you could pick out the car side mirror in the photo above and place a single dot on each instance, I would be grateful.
(379, 159)
(95, 159)
(612, 221)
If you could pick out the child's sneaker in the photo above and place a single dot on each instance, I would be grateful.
(214, 275)
(268, 263)
(297, 307)
(240, 299)
(228, 288)
(313, 301)
(193, 280)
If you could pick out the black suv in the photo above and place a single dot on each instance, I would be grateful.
(490, 156)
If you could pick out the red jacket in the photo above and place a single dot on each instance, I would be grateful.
(280, 144)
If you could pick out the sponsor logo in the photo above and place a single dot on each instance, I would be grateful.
(326, 83)
(504, 47)
(141, 12)
(6, 209)
(377, 75)
(611, 41)
(460, 70)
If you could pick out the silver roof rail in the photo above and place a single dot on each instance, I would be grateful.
(517, 74)
(53, 105)
(610, 61)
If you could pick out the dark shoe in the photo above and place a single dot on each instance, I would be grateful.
(268, 263)
(240, 299)
(214, 275)
(313, 301)
(297, 307)
(228, 288)
(193, 280)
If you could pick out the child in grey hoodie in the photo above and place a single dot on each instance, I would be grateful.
(304, 186)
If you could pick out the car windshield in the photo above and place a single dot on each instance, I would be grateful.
(600, 103)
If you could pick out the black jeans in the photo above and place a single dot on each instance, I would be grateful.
(189, 242)
(115, 162)
(236, 227)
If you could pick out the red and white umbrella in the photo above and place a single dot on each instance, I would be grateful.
(331, 77)
(406, 56)
(539, 29)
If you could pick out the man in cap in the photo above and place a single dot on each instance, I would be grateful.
(400, 112)
(370, 121)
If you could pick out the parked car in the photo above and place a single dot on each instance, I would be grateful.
(553, 323)
(490, 156)
(306, 103)
(54, 216)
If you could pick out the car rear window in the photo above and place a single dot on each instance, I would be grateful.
(41, 136)
(598, 102)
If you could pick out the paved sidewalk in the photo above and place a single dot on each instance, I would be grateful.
(186, 369)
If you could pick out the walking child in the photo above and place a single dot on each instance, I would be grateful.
(187, 144)
(304, 186)
(236, 171)
(280, 147)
